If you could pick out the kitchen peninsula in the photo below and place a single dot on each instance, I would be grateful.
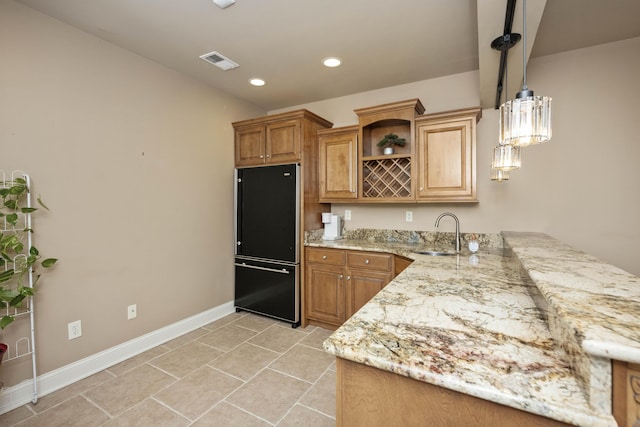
(532, 333)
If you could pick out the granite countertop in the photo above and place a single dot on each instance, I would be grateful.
(482, 325)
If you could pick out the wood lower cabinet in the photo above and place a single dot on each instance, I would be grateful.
(367, 396)
(626, 393)
(363, 285)
(338, 164)
(339, 282)
(446, 156)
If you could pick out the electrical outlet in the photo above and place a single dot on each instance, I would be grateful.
(132, 311)
(75, 329)
(347, 215)
(408, 216)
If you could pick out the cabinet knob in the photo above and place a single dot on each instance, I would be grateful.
(421, 188)
(341, 276)
(348, 277)
(268, 155)
(261, 156)
(324, 257)
(366, 261)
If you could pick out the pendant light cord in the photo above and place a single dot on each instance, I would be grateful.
(524, 45)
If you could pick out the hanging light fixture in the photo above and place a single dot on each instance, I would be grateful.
(499, 175)
(506, 158)
(525, 120)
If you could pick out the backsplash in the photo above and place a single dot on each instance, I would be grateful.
(428, 238)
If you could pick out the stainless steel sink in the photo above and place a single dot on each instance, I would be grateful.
(437, 252)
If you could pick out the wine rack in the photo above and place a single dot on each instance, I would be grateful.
(386, 178)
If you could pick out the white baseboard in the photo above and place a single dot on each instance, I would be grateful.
(21, 394)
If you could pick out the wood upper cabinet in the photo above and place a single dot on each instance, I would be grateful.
(437, 162)
(446, 156)
(339, 282)
(387, 177)
(283, 142)
(278, 139)
(277, 142)
(338, 163)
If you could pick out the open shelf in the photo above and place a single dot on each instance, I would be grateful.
(373, 133)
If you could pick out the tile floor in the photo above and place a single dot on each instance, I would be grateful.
(241, 370)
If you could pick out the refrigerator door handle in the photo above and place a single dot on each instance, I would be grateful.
(283, 271)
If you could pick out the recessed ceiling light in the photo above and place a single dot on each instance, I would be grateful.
(223, 4)
(332, 62)
(257, 82)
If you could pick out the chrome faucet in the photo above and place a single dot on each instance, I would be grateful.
(457, 227)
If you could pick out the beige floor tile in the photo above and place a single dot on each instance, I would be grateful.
(14, 417)
(278, 338)
(256, 323)
(227, 337)
(269, 395)
(301, 416)
(316, 338)
(229, 416)
(148, 413)
(217, 324)
(322, 395)
(245, 361)
(186, 359)
(196, 393)
(186, 338)
(303, 362)
(138, 360)
(75, 412)
(70, 391)
(121, 393)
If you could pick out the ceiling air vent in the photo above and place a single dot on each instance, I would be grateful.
(219, 61)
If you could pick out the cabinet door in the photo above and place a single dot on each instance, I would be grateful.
(363, 285)
(325, 298)
(283, 142)
(446, 157)
(250, 146)
(338, 165)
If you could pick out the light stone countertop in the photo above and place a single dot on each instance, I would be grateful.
(482, 327)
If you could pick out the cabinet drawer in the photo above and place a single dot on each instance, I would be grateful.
(370, 261)
(326, 256)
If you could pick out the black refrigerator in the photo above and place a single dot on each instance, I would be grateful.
(267, 264)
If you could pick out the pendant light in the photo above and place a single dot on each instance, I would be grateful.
(525, 120)
(506, 158)
(499, 175)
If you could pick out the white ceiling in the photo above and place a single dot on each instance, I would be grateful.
(382, 42)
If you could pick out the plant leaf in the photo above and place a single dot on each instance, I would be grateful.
(17, 300)
(33, 251)
(41, 203)
(28, 210)
(12, 218)
(5, 321)
(49, 262)
(6, 275)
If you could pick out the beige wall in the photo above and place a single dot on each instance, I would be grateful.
(136, 163)
(582, 187)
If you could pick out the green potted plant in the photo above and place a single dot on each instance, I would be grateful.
(18, 257)
(391, 140)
